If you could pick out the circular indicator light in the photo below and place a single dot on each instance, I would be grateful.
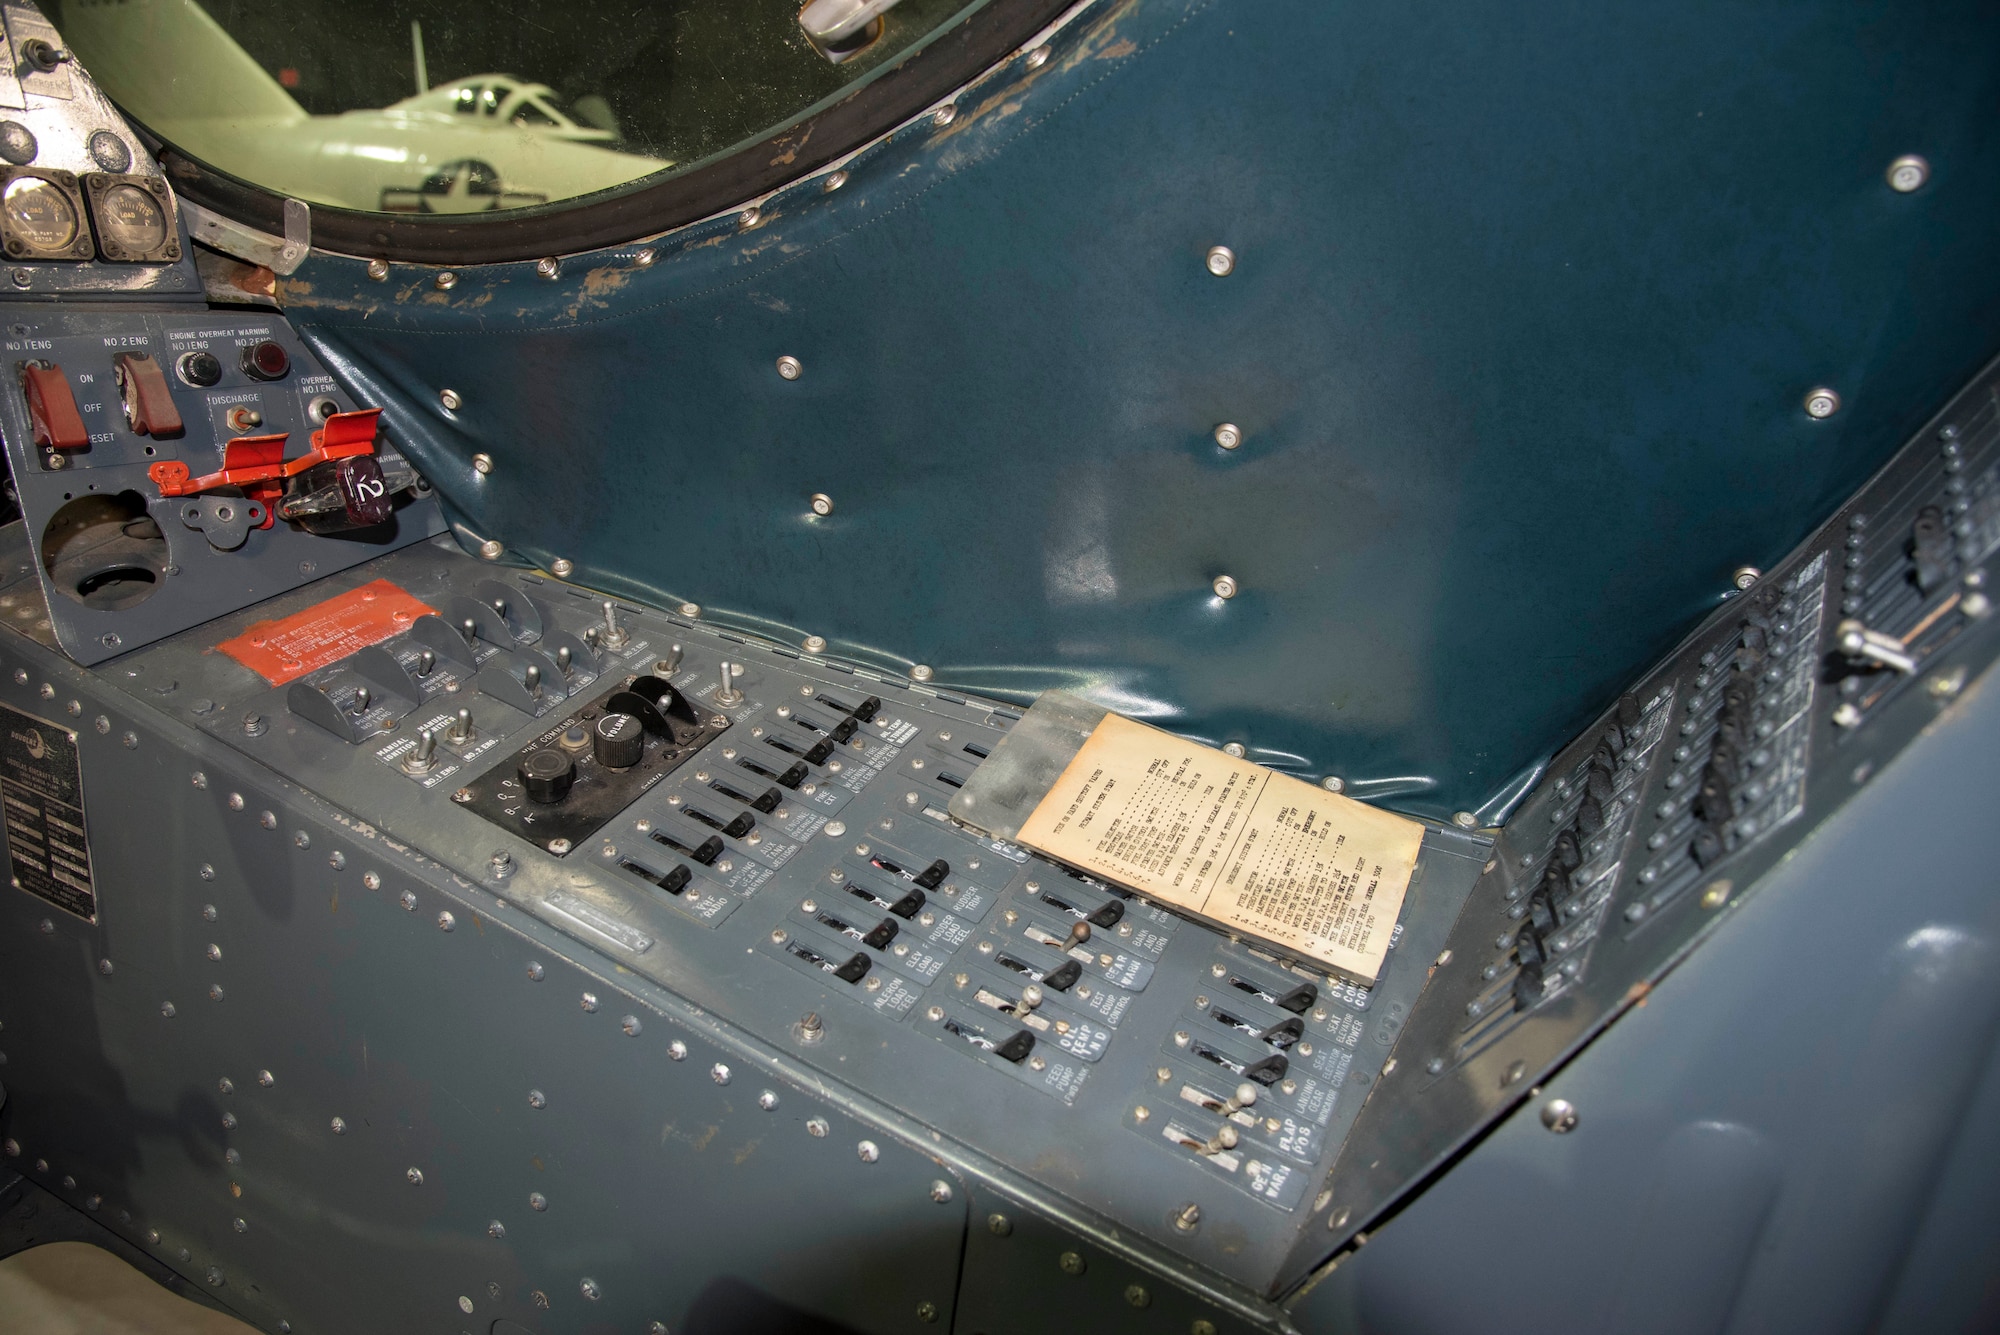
(266, 361)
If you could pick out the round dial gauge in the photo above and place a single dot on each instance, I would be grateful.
(132, 218)
(40, 212)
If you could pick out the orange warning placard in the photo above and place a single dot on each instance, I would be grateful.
(281, 651)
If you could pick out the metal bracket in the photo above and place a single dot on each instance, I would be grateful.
(280, 255)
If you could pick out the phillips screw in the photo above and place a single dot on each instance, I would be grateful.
(615, 635)
(727, 694)
(460, 731)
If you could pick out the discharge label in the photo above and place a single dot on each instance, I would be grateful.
(1320, 875)
(283, 651)
(41, 789)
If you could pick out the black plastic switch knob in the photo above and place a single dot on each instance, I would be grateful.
(200, 369)
(546, 776)
(618, 741)
(266, 361)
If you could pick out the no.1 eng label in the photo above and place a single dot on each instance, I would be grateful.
(41, 790)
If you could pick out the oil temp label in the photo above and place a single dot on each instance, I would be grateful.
(41, 789)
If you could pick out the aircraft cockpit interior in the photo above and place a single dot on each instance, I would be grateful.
(1013, 667)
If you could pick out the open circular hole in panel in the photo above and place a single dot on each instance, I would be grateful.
(105, 552)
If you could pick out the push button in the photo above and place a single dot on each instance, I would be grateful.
(266, 361)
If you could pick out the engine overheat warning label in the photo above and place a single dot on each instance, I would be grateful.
(41, 789)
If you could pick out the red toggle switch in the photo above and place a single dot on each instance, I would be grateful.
(149, 406)
(52, 408)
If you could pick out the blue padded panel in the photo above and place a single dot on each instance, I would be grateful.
(1527, 304)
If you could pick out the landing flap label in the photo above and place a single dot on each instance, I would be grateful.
(41, 790)
(283, 651)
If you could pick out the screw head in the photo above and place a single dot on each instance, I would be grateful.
(644, 257)
(1038, 57)
(491, 549)
(927, 1312)
(790, 368)
(1908, 173)
(1333, 783)
(922, 672)
(1717, 894)
(1822, 403)
(822, 504)
(378, 270)
(588, 1001)
(719, 1073)
(415, 1175)
(446, 281)
(538, 1202)
(868, 1151)
(1189, 1218)
(339, 1125)
(1228, 435)
(1136, 1295)
(1234, 750)
(537, 1099)
(999, 1225)
(1465, 820)
(749, 217)
(1221, 261)
(834, 182)
(767, 1100)
(1559, 1116)
(496, 1229)
(588, 1288)
(482, 464)
(940, 1191)
(815, 644)
(1224, 586)
(1071, 1263)
(548, 266)
(1744, 576)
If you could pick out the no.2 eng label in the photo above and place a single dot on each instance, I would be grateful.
(41, 791)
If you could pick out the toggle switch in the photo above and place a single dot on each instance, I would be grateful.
(1244, 1097)
(422, 758)
(614, 636)
(1223, 1139)
(149, 405)
(709, 850)
(460, 732)
(1872, 646)
(52, 407)
(726, 694)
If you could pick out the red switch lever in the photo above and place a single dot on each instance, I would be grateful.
(52, 408)
(149, 406)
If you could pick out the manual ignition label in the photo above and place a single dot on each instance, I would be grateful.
(41, 789)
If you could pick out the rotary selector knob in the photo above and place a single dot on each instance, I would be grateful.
(618, 741)
(547, 775)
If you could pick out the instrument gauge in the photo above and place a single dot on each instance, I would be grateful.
(132, 219)
(40, 213)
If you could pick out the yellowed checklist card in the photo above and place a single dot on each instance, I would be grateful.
(1315, 873)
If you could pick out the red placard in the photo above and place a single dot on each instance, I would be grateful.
(282, 651)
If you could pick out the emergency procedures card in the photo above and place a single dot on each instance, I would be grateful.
(1317, 874)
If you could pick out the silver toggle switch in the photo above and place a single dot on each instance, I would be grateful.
(615, 635)
(1857, 641)
(1223, 1139)
(563, 660)
(422, 757)
(668, 663)
(531, 677)
(362, 699)
(1244, 1097)
(460, 731)
(426, 660)
(726, 695)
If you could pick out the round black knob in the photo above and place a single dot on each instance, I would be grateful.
(547, 775)
(618, 741)
(200, 369)
(266, 361)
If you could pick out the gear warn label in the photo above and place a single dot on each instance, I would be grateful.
(41, 791)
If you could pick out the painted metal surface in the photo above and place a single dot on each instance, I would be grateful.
(1792, 1132)
(1524, 313)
